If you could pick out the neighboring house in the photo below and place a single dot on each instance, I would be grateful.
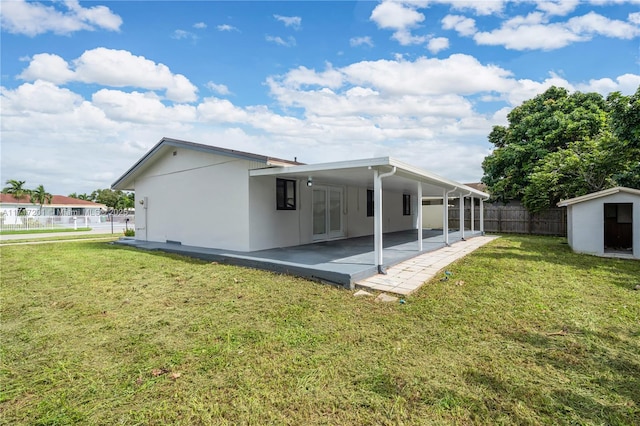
(605, 223)
(206, 196)
(12, 209)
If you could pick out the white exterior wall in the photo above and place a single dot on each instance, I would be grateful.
(585, 224)
(195, 198)
(270, 228)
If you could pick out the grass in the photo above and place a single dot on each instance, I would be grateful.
(42, 231)
(113, 236)
(94, 333)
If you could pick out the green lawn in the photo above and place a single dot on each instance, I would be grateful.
(28, 239)
(42, 231)
(93, 333)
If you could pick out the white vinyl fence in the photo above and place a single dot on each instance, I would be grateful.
(117, 223)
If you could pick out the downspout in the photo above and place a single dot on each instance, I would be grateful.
(445, 216)
(377, 216)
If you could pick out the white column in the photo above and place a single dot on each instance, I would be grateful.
(473, 214)
(481, 217)
(445, 216)
(377, 217)
(419, 220)
(461, 216)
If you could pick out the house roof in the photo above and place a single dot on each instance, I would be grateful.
(360, 173)
(125, 182)
(599, 194)
(354, 172)
(56, 201)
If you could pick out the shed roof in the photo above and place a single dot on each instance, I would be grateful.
(125, 182)
(599, 194)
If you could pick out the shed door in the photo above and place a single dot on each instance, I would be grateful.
(618, 226)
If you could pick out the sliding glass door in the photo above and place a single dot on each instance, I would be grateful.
(327, 212)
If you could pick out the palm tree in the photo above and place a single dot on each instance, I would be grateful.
(17, 190)
(40, 196)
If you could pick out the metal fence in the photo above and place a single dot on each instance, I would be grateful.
(514, 218)
(35, 222)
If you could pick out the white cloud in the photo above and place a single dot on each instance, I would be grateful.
(535, 32)
(359, 41)
(557, 7)
(463, 25)
(401, 18)
(479, 7)
(226, 27)
(200, 25)
(115, 68)
(395, 16)
(48, 66)
(438, 44)
(294, 22)
(634, 18)
(289, 42)
(139, 107)
(220, 89)
(626, 83)
(459, 73)
(592, 23)
(40, 97)
(182, 34)
(33, 18)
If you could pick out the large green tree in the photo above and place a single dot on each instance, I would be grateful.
(560, 145)
(113, 199)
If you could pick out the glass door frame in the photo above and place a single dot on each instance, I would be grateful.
(328, 191)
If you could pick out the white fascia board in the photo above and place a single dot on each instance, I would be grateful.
(310, 168)
(594, 195)
(404, 169)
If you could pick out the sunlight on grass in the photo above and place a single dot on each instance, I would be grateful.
(94, 333)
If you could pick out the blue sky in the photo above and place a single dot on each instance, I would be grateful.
(89, 87)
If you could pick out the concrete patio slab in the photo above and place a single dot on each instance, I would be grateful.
(340, 262)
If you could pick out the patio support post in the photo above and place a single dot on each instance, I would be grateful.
(445, 216)
(481, 216)
(377, 216)
(419, 218)
(473, 214)
(461, 216)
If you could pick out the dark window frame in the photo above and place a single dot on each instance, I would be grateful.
(406, 204)
(370, 209)
(286, 197)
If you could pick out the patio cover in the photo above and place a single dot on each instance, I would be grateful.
(371, 173)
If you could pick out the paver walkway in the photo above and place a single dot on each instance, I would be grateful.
(408, 276)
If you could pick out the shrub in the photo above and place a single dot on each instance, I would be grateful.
(129, 233)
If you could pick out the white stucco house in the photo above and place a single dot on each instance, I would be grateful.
(61, 208)
(605, 223)
(206, 196)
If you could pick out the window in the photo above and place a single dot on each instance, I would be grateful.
(285, 194)
(369, 202)
(406, 204)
